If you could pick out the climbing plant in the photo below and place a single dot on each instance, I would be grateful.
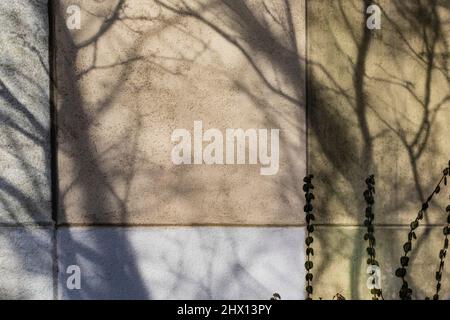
(369, 197)
(442, 255)
(405, 292)
(309, 197)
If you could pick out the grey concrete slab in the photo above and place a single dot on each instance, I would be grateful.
(26, 264)
(24, 112)
(181, 262)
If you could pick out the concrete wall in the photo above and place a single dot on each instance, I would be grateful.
(379, 104)
(127, 83)
(26, 259)
(123, 83)
(139, 226)
(182, 262)
(26, 263)
(132, 74)
(25, 113)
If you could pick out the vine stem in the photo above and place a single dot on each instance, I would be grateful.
(442, 255)
(309, 196)
(405, 292)
(369, 196)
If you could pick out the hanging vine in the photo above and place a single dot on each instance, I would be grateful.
(369, 197)
(442, 255)
(309, 197)
(405, 292)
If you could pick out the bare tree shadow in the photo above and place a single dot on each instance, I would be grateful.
(25, 179)
(357, 125)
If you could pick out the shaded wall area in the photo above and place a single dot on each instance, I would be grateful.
(133, 73)
(378, 104)
(24, 114)
(184, 262)
(26, 250)
(138, 70)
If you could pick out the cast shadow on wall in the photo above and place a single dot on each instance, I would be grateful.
(351, 124)
(101, 176)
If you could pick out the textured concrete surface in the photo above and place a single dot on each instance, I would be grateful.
(24, 113)
(137, 70)
(182, 262)
(379, 105)
(26, 264)
(340, 257)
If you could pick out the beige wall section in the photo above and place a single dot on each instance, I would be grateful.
(139, 69)
(341, 263)
(379, 104)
